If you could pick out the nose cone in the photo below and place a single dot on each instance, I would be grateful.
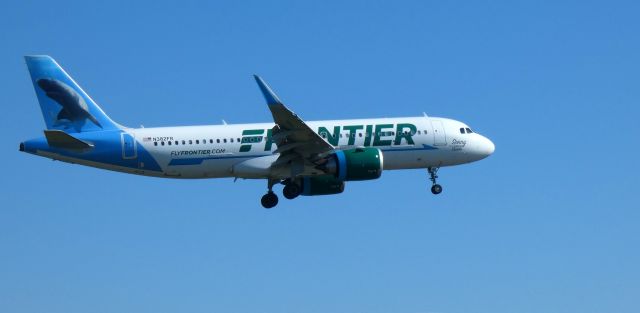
(489, 146)
(484, 147)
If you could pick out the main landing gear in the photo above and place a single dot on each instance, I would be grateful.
(270, 199)
(433, 173)
(290, 191)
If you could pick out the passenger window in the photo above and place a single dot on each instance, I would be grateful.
(238, 139)
(360, 135)
(218, 140)
(419, 133)
(231, 139)
(210, 140)
(177, 143)
(197, 141)
(169, 142)
(184, 142)
(225, 140)
(155, 143)
(162, 143)
(469, 130)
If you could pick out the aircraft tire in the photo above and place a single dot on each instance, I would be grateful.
(291, 191)
(269, 200)
(436, 189)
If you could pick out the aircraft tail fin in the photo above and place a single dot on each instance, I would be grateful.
(65, 106)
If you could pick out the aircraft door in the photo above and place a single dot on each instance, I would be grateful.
(129, 149)
(439, 135)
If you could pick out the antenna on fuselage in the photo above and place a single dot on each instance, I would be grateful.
(224, 122)
(425, 114)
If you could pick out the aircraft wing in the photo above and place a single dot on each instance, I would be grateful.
(294, 138)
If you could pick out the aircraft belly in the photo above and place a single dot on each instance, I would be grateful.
(100, 165)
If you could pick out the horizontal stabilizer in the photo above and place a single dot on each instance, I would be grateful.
(62, 140)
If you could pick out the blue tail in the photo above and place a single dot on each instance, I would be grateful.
(65, 106)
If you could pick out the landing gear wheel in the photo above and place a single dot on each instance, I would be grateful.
(291, 191)
(436, 189)
(269, 200)
(433, 175)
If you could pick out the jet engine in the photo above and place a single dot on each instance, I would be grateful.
(354, 164)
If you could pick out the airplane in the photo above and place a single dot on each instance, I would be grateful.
(310, 158)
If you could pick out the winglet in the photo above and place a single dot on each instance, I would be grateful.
(268, 94)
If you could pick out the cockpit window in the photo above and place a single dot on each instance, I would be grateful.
(462, 130)
(469, 131)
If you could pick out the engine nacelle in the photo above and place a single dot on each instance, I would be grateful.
(355, 164)
(321, 185)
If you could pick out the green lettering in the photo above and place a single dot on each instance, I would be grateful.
(380, 131)
(407, 135)
(331, 138)
(352, 133)
(248, 132)
(247, 138)
(252, 139)
(368, 134)
(268, 142)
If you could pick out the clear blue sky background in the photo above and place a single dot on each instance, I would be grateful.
(549, 223)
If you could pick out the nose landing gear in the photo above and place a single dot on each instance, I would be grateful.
(433, 173)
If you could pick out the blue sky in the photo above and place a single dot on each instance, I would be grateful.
(549, 223)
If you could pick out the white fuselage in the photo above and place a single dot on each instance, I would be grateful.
(214, 151)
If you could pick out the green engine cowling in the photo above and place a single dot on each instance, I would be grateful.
(356, 164)
(321, 185)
